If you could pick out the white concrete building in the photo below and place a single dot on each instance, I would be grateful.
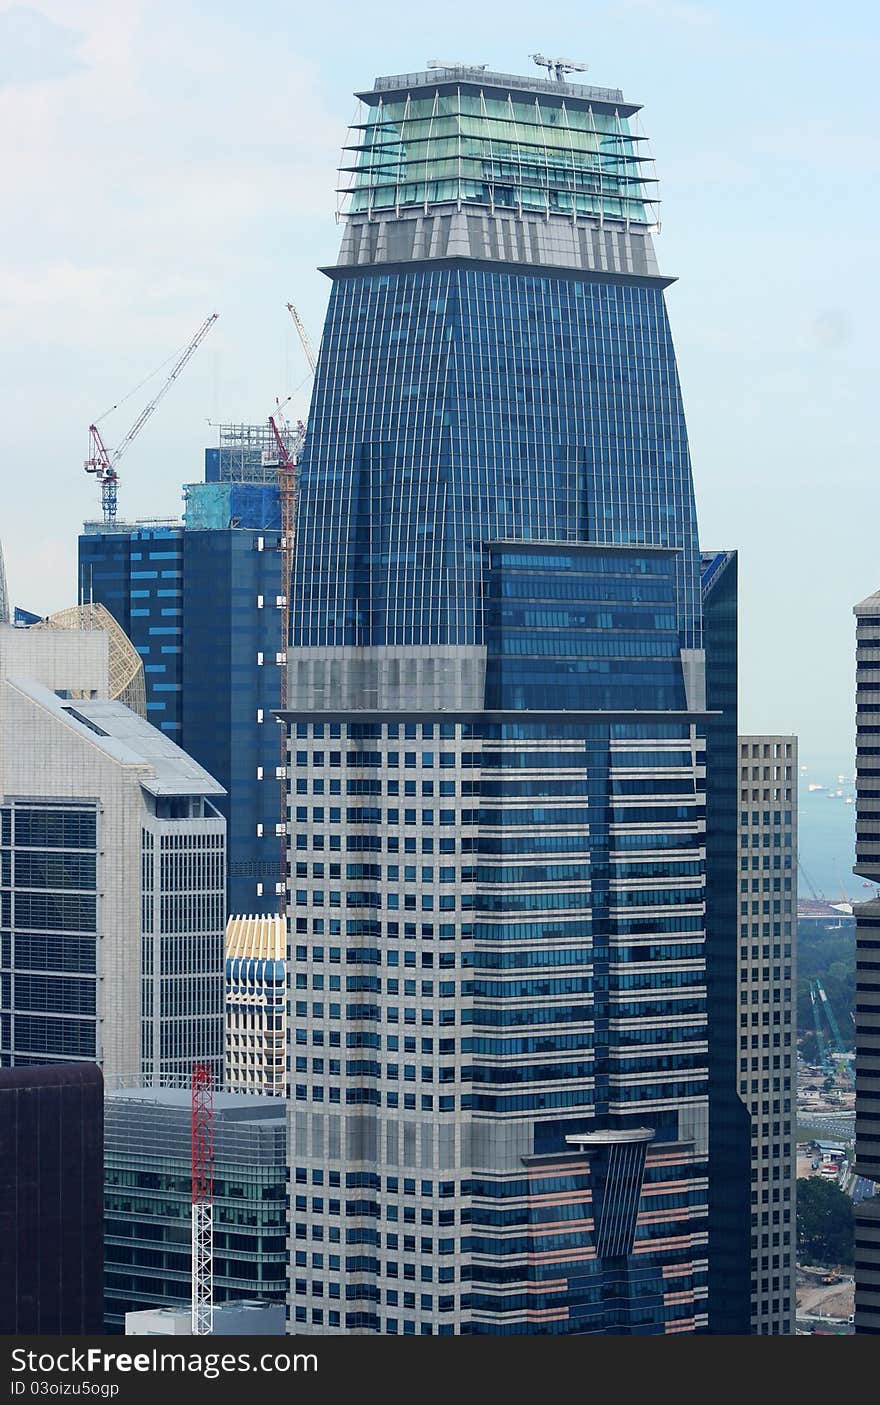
(112, 873)
(768, 1048)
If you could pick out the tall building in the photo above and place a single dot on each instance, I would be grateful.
(867, 914)
(256, 997)
(768, 1017)
(112, 873)
(501, 1050)
(730, 1281)
(51, 1214)
(147, 1189)
(200, 601)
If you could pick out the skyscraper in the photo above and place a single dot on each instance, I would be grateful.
(730, 1176)
(867, 1015)
(200, 601)
(768, 1033)
(500, 1057)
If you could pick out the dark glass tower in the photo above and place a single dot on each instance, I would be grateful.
(51, 1200)
(498, 746)
(200, 603)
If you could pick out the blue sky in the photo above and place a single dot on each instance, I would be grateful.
(165, 160)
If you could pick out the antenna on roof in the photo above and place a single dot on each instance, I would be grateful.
(561, 66)
(454, 63)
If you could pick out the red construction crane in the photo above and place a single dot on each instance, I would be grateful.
(101, 461)
(202, 1201)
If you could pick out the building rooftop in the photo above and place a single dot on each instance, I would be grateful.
(868, 606)
(260, 938)
(461, 135)
(130, 740)
(488, 81)
(249, 1107)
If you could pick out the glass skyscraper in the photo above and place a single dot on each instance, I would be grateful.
(499, 1043)
(200, 601)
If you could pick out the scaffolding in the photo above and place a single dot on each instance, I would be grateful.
(246, 454)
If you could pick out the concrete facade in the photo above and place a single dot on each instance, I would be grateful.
(768, 1030)
(114, 873)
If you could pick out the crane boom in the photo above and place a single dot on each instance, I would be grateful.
(821, 1044)
(307, 344)
(101, 461)
(839, 1046)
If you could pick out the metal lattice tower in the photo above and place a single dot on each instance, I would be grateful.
(202, 1201)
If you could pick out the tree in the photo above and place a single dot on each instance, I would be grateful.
(824, 1222)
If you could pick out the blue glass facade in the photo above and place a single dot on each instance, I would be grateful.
(730, 1285)
(138, 575)
(582, 627)
(456, 406)
(501, 859)
(201, 608)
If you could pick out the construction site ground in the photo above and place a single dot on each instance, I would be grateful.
(824, 1299)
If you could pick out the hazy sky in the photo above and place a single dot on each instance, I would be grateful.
(163, 159)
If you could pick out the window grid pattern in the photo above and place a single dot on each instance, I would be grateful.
(455, 407)
(468, 944)
(768, 1036)
(184, 870)
(48, 933)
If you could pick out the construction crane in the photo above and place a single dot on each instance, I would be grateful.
(202, 1201)
(307, 344)
(809, 882)
(821, 1045)
(560, 66)
(840, 1047)
(101, 461)
(289, 448)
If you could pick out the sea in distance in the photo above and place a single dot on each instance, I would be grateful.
(827, 835)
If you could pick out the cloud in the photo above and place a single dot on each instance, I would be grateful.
(831, 328)
(152, 172)
(35, 49)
